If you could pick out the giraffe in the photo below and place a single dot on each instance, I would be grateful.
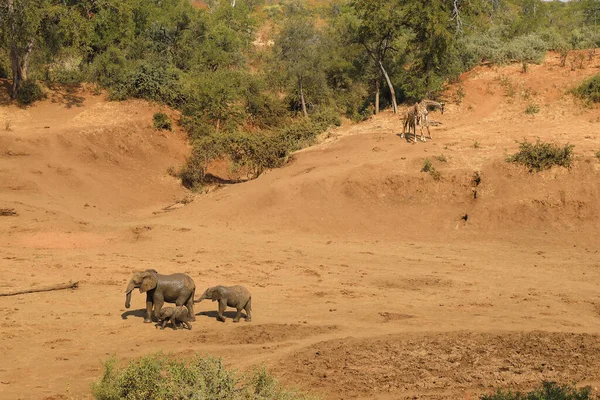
(411, 119)
(419, 114)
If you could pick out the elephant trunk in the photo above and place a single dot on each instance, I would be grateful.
(128, 291)
(203, 297)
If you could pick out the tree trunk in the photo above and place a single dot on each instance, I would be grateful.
(377, 96)
(392, 92)
(232, 3)
(302, 97)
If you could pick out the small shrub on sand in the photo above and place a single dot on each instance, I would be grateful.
(532, 109)
(162, 377)
(428, 167)
(598, 155)
(547, 391)
(441, 158)
(162, 122)
(539, 155)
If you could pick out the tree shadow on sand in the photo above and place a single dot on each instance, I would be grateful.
(68, 95)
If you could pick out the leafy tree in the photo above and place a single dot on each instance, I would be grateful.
(20, 21)
(377, 26)
(299, 54)
(433, 46)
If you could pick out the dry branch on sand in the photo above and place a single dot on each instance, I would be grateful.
(5, 212)
(61, 286)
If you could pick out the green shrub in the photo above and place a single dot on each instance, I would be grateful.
(162, 377)
(204, 151)
(441, 158)
(428, 167)
(547, 391)
(253, 153)
(162, 121)
(598, 155)
(29, 92)
(532, 109)
(539, 156)
(589, 90)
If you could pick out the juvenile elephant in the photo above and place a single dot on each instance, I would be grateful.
(230, 296)
(174, 315)
(175, 288)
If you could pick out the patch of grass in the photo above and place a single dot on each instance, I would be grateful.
(429, 168)
(598, 155)
(29, 92)
(163, 377)
(540, 155)
(508, 86)
(547, 391)
(476, 145)
(532, 109)
(441, 158)
(460, 94)
(162, 122)
(589, 90)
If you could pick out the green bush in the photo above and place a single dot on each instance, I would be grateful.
(589, 90)
(29, 92)
(547, 391)
(162, 377)
(162, 122)
(539, 156)
(428, 167)
(205, 150)
(155, 82)
(532, 109)
(494, 48)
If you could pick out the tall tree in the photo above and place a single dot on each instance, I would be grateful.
(298, 51)
(379, 25)
(433, 45)
(20, 21)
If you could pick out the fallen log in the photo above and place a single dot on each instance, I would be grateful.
(61, 286)
(5, 212)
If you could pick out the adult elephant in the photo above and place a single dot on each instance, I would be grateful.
(175, 288)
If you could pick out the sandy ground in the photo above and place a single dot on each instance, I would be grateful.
(367, 281)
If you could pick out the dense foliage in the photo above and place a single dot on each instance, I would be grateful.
(160, 377)
(260, 67)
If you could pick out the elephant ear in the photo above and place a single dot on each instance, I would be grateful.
(149, 282)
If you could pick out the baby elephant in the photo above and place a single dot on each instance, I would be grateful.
(174, 315)
(230, 296)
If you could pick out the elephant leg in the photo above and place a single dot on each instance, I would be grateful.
(222, 307)
(187, 325)
(190, 306)
(238, 315)
(158, 303)
(148, 317)
(173, 322)
(248, 309)
(164, 322)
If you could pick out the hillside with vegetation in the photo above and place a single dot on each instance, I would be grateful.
(255, 80)
(256, 143)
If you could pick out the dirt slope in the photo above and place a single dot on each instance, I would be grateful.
(366, 281)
